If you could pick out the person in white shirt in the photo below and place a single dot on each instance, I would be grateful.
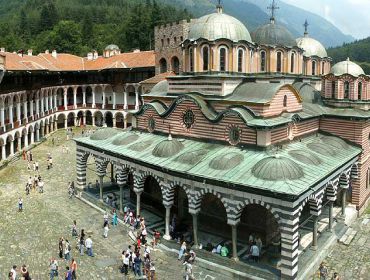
(14, 272)
(106, 229)
(88, 245)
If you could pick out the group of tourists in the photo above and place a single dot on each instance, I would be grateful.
(23, 272)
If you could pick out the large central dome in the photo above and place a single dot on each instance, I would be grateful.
(274, 34)
(219, 26)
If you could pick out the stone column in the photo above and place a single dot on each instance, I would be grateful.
(19, 112)
(314, 233)
(37, 108)
(84, 97)
(32, 138)
(11, 114)
(37, 135)
(3, 152)
(25, 141)
(25, 112)
(101, 187)
(114, 122)
(65, 99)
(55, 103)
(84, 117)
(125, 104)
(11, 148)
(103, 103)
(93, 120)
(2, 117)
(120, 198)
(344, 197)
(138, 206)
(75, 98)
(330, 228)
(125, 121)
(167, 230)
(19, 144)
(136, 100)
(42, 107)
(65, 123)
(114, 100)
(195, 229)
(234, 237)
(93, 105)
(31, 108)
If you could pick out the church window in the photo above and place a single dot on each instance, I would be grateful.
(234, 135)
(292, 58)
(359, 91)
(191, 60)
(205, 58)
(163, 65)
(333, 89)
(223, 59)
(279, 62)
(285, 101)
(323, 68)
(346, 90)
(263, 61)
(168, 41)
(175, 40)
(240, 60)
(162, 42)
(151, 124)
(313, 68)
(188, 118)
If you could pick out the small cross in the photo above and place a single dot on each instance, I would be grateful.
(273, 7)
(306, 27)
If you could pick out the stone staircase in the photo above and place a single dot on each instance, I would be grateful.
(348, 236)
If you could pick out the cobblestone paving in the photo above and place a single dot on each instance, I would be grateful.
(31, 237)
(352, 262)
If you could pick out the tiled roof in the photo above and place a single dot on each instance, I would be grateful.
(69, 62)
(158, 78)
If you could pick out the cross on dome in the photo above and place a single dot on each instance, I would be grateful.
(306, 28)
(219, 7)
(273, 7)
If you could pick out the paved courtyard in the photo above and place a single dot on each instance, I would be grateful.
(31, 237)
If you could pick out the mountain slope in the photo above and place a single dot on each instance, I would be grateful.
(254, 13)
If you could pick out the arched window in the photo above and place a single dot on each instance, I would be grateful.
(285, 101)
(323, 68)
(175, 65)
(346, 90)
(333, 89)
(223, 59)
(240, 60)
(191, 60)
(359, 91)
(163, 65)
(313, 68)
(279, 62)
(263, 61)
(205, 58)
(292, 57)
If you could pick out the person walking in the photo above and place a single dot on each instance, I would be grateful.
(89, 244)
(137, 262)
(106, 229)
(82, 242)
(24, 272)
(74, 269)
(74, 229)
(182, 250)
(68, 274)
(20, 204)
(114, 218)
(255, 253)
(36, 166)
(53, 268)
(67, 250)
(125, 262)
(13, 271)
(60, 246)
(323, 271)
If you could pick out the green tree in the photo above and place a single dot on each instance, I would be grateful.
(48, 16)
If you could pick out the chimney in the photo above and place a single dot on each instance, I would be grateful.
(2, 49)
(54, 54)
(95, 55)
(29, 52)
(90, 56)
(47, 52)
(136, 50)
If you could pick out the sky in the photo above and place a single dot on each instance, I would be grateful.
(350, 16)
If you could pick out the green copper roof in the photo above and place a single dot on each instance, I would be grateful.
(273, 34)
(285, 173)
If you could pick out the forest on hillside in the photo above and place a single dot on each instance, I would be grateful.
(358, 51)
(80, 26)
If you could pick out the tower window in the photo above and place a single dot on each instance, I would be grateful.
(223, 59)
(263, 61)
(285, 101)
(333, 89)
(292, 57)
(313, 68)
(205, 58)
(359, 91)
(323, 68)
(278, 62)
(346, 90)
(191, 60)
(240, 60)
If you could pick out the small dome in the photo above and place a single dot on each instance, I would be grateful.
(322, 148)
(140, 146)
(226, 161)
(219, 26)
(335, 142)
(273, 34)
(191, 158)
(167, 148)
(277, 168)
(104, 133)
(125, 140)
(311, 47)
(111, 47)
(305, 157)
(347, 67)
(161, 87)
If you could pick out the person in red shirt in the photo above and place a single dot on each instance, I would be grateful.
(74, 269)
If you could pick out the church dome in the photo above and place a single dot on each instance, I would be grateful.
(111, 47)
(273, 34)
(219, 26)
(277, 168)
(347, 67)
(167, 148)
(311, 47)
